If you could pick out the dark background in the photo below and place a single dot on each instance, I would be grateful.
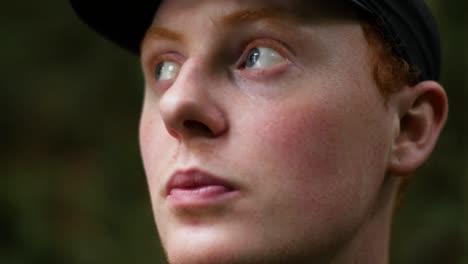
(72, 187)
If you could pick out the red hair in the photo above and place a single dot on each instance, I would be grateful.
(390, 72)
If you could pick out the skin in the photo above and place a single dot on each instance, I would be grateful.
(314, 150)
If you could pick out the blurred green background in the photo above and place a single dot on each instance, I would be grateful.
(72, 187)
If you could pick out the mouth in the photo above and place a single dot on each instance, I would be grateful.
(191, 188)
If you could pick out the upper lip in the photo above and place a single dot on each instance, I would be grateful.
(194, 178)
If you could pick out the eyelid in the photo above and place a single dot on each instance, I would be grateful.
(167, 56)
(282, 48)
(152, 63)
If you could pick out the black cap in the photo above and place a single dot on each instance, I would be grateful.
(408, 24)
(412, 30)
(122, 21)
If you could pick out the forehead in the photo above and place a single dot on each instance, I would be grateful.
(299, 10)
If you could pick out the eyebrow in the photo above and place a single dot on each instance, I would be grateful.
(163, 33)
(236, 18)
(254, 15)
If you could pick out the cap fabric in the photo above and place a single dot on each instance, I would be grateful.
(408, 24)
(412, 29)
(122, 21)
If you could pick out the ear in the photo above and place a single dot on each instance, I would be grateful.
(422, 115)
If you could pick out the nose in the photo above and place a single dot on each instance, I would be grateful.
(190, 109)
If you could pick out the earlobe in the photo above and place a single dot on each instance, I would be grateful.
(423, 113)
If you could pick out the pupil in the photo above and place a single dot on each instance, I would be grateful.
(159, 70)
(252, 58)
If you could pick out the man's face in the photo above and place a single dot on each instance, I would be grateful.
(263, 134)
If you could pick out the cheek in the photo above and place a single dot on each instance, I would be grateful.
(304, 141)
(154, 145)
(148, 129)
(146, 135)
(318, 156)
(298, 167)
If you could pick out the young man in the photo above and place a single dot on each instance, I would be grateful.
(279, 131)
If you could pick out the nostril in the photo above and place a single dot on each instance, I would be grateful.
(198, 128)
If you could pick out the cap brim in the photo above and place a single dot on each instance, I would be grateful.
(122, 22)
(408, 24)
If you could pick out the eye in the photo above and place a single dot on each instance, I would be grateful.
(262, 57)
(166, 70)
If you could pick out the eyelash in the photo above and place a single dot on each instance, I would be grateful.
(154, 62)
(172, 56)
(278, 46)
(283, 49)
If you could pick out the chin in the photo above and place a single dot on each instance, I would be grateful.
(205, 254)
(220, 254)
(205, 246)
(223, 256)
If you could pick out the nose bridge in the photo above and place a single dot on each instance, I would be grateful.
(189, 107)
(187, 86)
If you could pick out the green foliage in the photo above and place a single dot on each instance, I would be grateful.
(72, 185)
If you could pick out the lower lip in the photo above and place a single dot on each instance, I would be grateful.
(206, 195)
